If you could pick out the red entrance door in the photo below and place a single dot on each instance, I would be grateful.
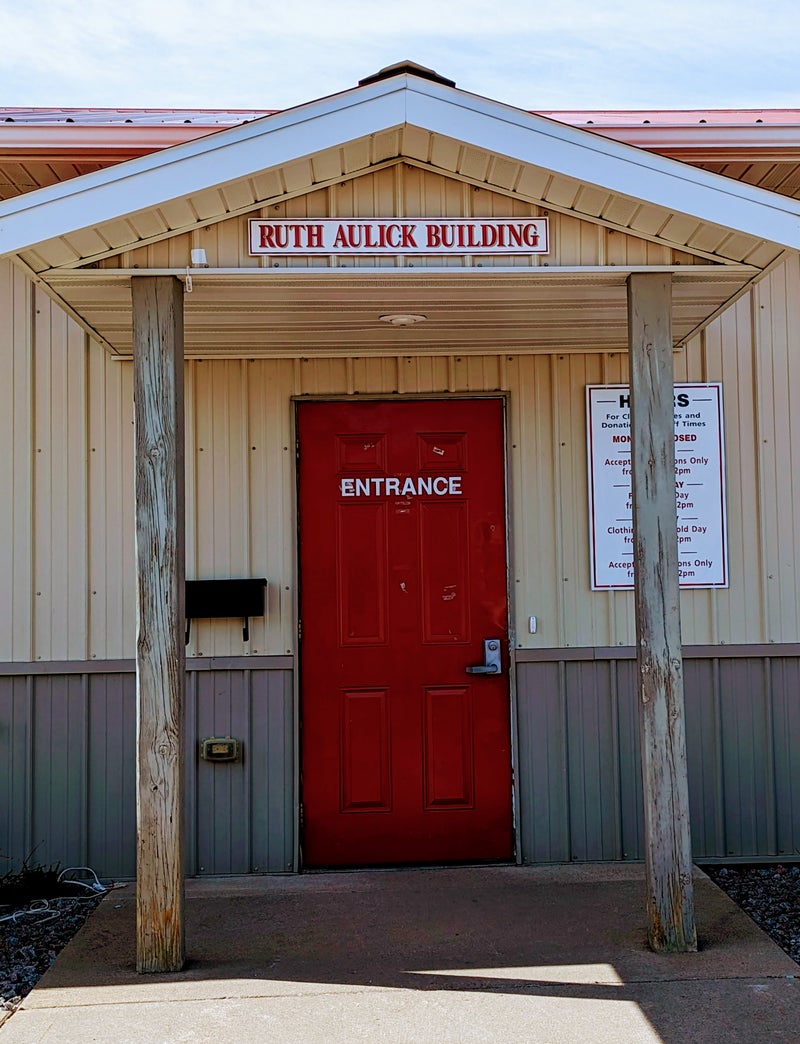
(405, 754)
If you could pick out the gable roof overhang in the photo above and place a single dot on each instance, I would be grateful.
(732, 232)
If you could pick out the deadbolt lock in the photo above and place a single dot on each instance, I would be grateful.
(491, 658)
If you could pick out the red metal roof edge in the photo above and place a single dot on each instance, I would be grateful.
(674, 117)
(86, 144)
(43, 115)
(103, 135)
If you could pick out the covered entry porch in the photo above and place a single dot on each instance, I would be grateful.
(644, 257)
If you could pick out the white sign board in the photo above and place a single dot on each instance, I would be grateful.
(399, 236)
(699, 486)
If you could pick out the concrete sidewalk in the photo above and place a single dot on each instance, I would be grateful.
(447, 955)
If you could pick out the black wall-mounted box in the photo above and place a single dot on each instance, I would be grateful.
(215, 599)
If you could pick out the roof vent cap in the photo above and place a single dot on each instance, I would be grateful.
(406, 68)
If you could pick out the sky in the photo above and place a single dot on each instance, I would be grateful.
(571, 54)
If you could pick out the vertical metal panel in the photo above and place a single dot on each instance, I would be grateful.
(111, 769)
(271, 477)
(777, 320)
(223, 837)
(112, 582)
(219, 514)
(629, 767)
(591, 744)
(67, 771)
(242, 813)
(727, 352)
(16, 729)
(743, 732)
(59, 777)
(747, 756)
(576, 763)
(543, 813)
(60, 492)
(16, 465)
(272, 772)
(533, 475)
(785, 678)
(703, 752)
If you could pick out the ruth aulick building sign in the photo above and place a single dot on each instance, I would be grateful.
(699, 486)
(399, 236)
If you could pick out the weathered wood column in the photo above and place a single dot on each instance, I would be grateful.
(668, 851)
(160, 652)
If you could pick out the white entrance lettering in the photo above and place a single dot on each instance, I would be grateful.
(402, 486)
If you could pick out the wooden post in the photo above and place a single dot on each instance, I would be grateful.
(668, 851)
(160, 652)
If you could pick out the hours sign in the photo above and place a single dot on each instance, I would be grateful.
(699, 486)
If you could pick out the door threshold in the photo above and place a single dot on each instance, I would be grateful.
(404, 867)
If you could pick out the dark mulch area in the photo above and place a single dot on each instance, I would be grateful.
(770, 895)
(39, 914)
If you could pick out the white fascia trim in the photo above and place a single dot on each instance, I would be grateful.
(613, 166)
(283, 138)
(710, 140)
(149, 181)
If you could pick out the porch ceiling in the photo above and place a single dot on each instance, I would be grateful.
(290, 313)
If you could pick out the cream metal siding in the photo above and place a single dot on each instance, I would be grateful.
(277, 306)
(66, 557)
(777, 391)
(111, 623)
(407, 191)
(16, 464)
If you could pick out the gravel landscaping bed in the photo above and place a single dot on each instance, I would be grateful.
(41, 908)
(30, 940)
(768, 894)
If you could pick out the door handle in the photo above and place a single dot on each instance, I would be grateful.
(491, 658)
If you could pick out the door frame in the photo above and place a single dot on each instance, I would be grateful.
(505, 398)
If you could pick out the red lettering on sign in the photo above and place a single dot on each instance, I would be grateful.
(394, 236)
(530, 235)
(434, 236)
(413, 236)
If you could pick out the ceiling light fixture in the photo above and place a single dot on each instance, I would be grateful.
(403, 319)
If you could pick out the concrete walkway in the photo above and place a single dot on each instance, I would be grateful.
(453, 955)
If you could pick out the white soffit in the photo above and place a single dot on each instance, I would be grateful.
(239, 170)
